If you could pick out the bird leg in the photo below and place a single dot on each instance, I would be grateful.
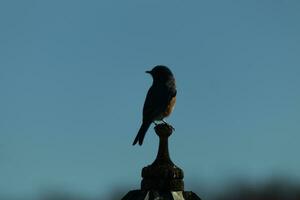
(168, 125)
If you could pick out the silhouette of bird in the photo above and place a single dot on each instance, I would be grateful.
(160, 99)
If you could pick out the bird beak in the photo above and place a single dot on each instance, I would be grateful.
(148, 72)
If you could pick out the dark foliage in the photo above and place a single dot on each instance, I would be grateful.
(278, 189)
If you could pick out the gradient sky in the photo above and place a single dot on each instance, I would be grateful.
(72, 86)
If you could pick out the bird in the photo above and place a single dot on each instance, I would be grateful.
(160, 100)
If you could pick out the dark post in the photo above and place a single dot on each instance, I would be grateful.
(162, 179)
(162, 174)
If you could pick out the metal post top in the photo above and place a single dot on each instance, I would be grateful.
(162, 179)
(163, 174)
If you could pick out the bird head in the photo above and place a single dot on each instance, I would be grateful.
(161, 73)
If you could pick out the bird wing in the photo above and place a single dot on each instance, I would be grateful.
(157, 100)
(152, 104)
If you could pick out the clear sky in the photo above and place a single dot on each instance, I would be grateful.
(72, 86)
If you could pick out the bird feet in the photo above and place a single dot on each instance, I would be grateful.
(171, 126)
(168, 125)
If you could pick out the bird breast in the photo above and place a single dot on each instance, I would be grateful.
(169, 108)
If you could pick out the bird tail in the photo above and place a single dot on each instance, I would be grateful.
(141, 134)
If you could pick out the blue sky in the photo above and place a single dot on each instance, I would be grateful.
(72, 88)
